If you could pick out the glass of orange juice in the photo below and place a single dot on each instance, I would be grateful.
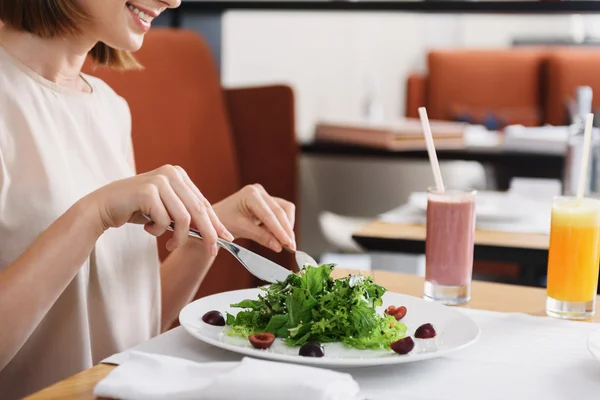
(573, 258)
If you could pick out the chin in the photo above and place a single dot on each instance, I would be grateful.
(132, 43)
(136, 43)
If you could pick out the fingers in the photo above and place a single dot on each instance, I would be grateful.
(178, 200)
(196, 209)
(259, 234)
(164, 207)
(179, 214)
(280, 213)
(290, 210)
(157, 212)
(284, 211)
(271, 215)
(265, 219)
(216, 222)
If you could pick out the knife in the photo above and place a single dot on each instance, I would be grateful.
(257, 265)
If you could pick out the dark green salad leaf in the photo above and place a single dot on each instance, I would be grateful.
(311, 306)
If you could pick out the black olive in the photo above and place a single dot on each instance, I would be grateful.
(214, 318)
(312, 350)
(425, 331)
(403, 346)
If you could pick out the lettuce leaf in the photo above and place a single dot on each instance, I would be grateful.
(313, 307)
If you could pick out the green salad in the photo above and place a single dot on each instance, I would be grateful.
(311, 306)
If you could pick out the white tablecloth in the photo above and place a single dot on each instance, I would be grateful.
(518, 356)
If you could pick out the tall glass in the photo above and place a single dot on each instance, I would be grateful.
(573, 258)
(449, 245)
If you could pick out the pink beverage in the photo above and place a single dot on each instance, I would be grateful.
(449, 245)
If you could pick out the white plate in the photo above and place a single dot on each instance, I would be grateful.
(454, 331)
(594, 344)
(489, 205)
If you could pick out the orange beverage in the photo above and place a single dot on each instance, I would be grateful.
(573, 258)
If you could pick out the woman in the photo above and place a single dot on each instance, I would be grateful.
(79, 272)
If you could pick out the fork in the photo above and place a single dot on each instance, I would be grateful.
(302, 258)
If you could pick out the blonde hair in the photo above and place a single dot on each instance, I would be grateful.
(56, 18)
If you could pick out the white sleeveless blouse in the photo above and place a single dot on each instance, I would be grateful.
(56, 146)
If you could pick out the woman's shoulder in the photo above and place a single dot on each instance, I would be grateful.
(109, 103)
(104, 92)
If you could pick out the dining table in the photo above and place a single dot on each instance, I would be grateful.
(527, 250)
(490, 245)
(484, 296)
(506, 164)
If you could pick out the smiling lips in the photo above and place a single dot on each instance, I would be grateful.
(142, 17)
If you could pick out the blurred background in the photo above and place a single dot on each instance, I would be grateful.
(507, 82)
(338, 62)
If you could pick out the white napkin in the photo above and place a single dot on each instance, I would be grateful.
(544, 139)
(147, 376)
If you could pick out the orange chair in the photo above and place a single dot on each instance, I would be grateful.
(529, 86)
(474, 85)
(566, 70)
(223, 138)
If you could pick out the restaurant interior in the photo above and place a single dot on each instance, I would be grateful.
(505, 82)
(329, 104)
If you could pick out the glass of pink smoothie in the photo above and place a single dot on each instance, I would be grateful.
(449, 245)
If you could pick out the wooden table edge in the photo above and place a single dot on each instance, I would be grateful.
(78, 386)
(381, 230)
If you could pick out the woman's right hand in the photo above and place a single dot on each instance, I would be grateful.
(166, 194)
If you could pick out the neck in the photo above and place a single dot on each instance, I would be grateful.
(57, 60)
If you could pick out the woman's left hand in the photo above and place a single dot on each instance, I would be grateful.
(251, 213)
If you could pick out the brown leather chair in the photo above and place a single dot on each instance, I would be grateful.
(223, 138)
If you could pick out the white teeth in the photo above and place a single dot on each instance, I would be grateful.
(143, 16)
